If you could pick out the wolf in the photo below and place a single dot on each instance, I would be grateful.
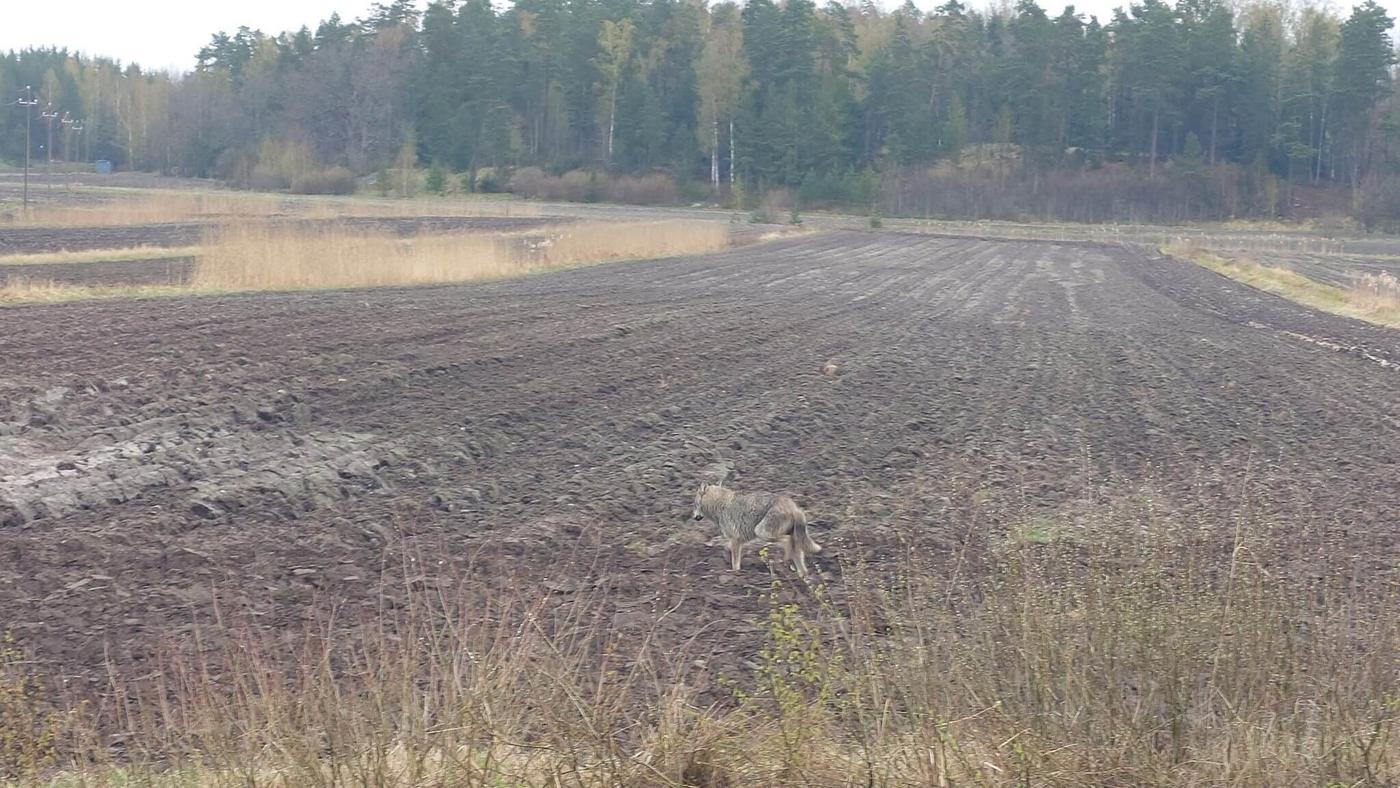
(745, 518)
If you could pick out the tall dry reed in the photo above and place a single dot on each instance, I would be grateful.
(263, 257)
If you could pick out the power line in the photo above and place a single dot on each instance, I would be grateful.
(50, 114)
(71, 126)
(29, 104)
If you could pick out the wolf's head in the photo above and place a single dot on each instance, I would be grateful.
(700, 496)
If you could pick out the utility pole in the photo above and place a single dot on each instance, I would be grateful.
(80, 128)
(28, 105)
(70, 125)
(67, 123)
(49, 114)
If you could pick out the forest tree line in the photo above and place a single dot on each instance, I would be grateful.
(1201, 109)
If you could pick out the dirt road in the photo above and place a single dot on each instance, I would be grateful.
(266, 451)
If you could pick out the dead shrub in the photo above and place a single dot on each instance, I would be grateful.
(776, 203)
(1379, 209)
(29, 731)
(528, 182)
(576, 186)
(655, 188)
(266, 178)
(592, 186)
(1016, 191)
(487, 180)
(332, 180)
(292, 166)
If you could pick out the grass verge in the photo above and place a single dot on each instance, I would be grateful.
(1372, 298)
(26, 290)
(127, 255)
(118, 207)
(1163, 649)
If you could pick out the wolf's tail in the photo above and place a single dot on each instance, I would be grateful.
(799, 532)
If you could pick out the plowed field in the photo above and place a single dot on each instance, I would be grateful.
(258, 453)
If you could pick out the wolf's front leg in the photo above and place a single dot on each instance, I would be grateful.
(736, 553)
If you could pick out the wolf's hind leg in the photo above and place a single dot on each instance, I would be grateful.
(801, 561)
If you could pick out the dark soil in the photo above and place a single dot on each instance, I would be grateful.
(158, 271)
(543, 436)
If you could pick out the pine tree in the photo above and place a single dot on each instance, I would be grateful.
(1361, 78)
(614, 50)
(954, 128)
(443, 93)
(1261, 58)
(1212, 67)
(1151, 70)
(436, 181)
(721, 72)
(404, 163)
(778, 93)
(1307, 79)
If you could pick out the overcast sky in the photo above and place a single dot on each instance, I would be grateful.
(166, 34)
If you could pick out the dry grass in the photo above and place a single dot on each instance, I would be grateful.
(259, 257)
(601, 241)
(1140, 646)
(476, 206)
(126, 208)
(1378, 293)
(1326, 224)
(117, 207)
(1374, 299)
(37, 290)
(126, 255)
(1255, 239)
(253, 256)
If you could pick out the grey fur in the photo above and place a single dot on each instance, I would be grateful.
(744, 518)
